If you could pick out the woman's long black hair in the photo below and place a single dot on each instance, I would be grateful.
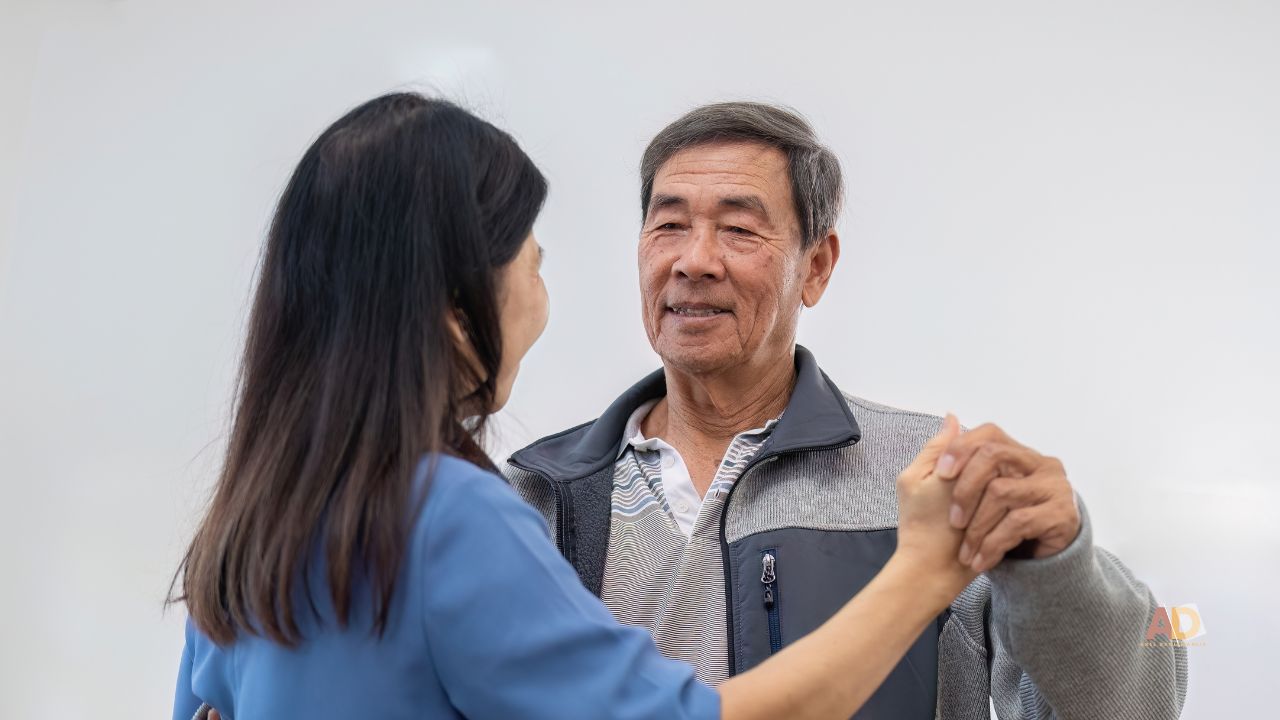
(399, 216)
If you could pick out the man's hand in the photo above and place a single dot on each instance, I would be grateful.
(1007, 495)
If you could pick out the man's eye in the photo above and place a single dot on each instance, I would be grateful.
(740, 231)
(669, 226)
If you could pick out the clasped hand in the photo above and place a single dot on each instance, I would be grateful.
(967, 501)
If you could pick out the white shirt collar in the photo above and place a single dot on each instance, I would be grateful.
(633, 434)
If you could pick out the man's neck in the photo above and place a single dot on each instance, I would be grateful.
(708, 410)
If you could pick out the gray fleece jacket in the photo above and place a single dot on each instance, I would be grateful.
(1059, 637)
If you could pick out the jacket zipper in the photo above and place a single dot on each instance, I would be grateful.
(769, 579)
(765, 456)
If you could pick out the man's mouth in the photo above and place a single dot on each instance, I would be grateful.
(696, 310)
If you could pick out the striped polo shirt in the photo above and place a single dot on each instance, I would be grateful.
(664, 570)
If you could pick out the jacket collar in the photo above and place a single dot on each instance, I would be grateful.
(817, 416)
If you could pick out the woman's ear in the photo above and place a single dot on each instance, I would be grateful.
(467, 351)
(459, 335)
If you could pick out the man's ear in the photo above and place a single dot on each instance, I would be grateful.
(821, 262)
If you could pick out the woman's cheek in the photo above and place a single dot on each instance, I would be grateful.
(546, 307)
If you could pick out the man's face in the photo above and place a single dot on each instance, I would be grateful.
(722, 272)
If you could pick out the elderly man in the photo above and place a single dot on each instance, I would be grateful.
(733, 500)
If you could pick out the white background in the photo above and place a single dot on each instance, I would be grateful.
(1061, 217)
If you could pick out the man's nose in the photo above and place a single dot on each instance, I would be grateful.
(700, 256)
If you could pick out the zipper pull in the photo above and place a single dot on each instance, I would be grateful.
(767, 578)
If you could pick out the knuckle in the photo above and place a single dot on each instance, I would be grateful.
(1000, 488)
(1020, 520)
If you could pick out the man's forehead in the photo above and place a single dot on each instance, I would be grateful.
(733, 162)
(746, 175)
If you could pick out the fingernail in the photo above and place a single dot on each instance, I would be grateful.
(964, 553)
(977, 563)
(957, 516)
(945, 465)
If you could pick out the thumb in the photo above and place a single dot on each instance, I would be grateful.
(932, 449)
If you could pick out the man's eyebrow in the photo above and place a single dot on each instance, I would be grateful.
(662, 202)
(745, 202)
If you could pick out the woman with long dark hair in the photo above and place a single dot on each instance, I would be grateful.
(362, 558)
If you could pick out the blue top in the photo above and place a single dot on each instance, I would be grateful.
(487, 621)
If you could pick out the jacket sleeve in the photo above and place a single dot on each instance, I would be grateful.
(1066, 635)
(513, 633)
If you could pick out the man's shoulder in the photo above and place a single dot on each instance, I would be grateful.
(859, 403)
(880, 423)
(846, 488)
(570, 453)
(567, 436)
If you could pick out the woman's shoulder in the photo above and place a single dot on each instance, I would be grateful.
(451, 479)
(471, 520)
(458, 491)
(439, 468)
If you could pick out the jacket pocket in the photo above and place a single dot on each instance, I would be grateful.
(769, 583)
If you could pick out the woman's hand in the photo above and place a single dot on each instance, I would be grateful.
(926, 540)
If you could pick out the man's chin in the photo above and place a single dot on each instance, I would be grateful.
(697, 359)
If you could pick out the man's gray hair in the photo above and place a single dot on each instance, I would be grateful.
(816, 185)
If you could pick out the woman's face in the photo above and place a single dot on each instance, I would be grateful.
(523, 309)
